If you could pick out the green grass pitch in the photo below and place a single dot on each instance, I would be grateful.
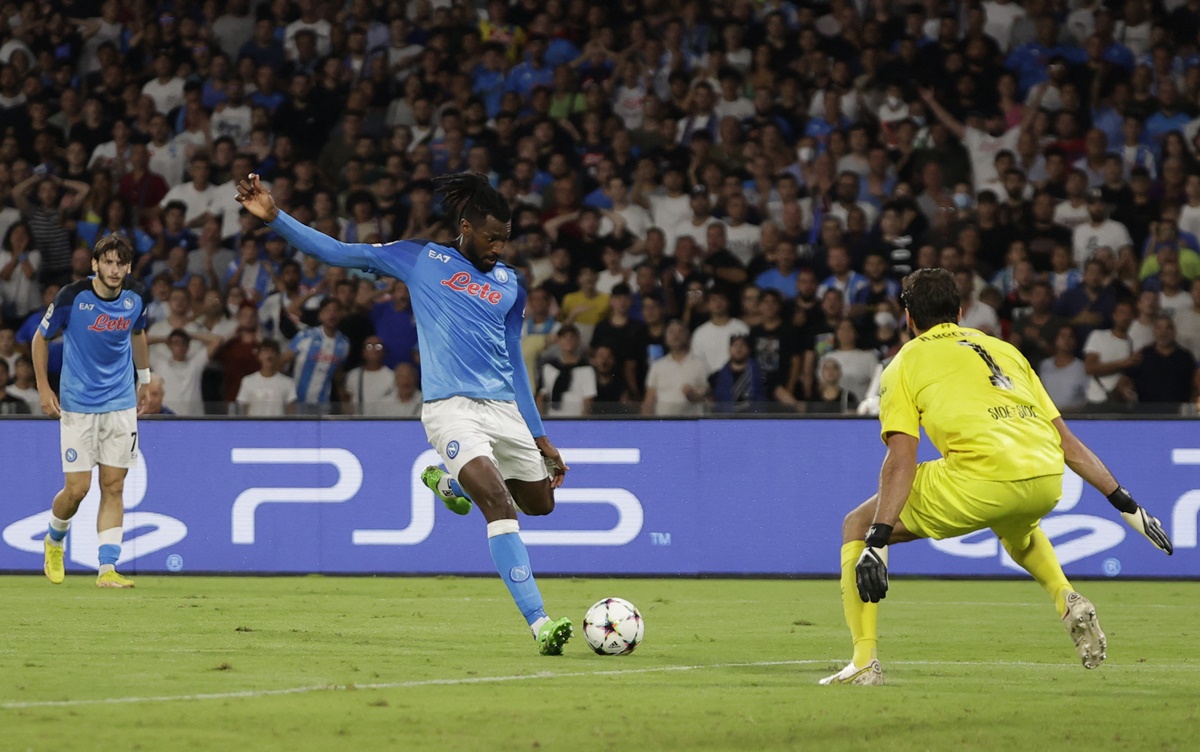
(323, 663)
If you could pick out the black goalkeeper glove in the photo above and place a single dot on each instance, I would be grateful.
(871, 570)
(1140, 520)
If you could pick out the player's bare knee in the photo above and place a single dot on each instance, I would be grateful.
(539, 506)
(75, 491)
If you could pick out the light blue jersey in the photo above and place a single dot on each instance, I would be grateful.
(318, 357)
(97, 373)
(468, 322)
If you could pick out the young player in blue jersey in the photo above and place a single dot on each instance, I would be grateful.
(479, 411)
(103, 321)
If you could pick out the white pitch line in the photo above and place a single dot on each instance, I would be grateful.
(253, 693)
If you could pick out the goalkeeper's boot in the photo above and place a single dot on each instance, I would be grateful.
(870, 675)
(53, 564)
(553, 635)
(111, 579)
(438, 481)
(1081, 623)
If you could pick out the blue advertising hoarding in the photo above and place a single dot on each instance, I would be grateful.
(738, 497)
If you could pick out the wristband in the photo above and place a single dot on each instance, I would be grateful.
(143, 375)
(879, 535)
(1123, 500)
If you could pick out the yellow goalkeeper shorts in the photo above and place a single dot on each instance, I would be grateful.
(945, 505)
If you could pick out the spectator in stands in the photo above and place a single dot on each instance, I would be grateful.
(1166, 372)
(612, 393)
(238, 357)
(372, 385)
(395, 327)
(1090, 305)
(710, 341)
(248, 272)
(11, 404)
(1035, 331)
(155, 392)
(829, 395)
(567, 383)
(316, 356)
(857, 365)
(181, 371)
(1141, 331)
(20, 262)
(738, 386)
(586, 307)
(198, 195)
(1187, 321)
(1108, 354)
(47, 216)
(267, 392)
(405, 399)
(677, 383)
(1063, 374)
(8, 349)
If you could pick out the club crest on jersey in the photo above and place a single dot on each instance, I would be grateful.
(127, 303)
(452, 449)
(501, 275)
(461, 282)
(106, 323)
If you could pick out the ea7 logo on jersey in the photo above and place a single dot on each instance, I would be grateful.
(87, 306)
(106, 323)
(438, 256)
(461, 282)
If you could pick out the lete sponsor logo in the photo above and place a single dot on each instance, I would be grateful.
(106, 323)
(461, 282)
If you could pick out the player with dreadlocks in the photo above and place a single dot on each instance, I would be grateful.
(479, 411)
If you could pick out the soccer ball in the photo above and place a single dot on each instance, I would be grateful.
(613, 627)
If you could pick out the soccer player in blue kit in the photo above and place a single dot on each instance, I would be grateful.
(103, 320)
(479, 411)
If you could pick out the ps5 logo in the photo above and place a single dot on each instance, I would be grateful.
(154, 532)
(246, 506)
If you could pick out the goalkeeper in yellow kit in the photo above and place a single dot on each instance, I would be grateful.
(1003, 445)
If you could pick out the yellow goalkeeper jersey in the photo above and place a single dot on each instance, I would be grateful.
(980, 403)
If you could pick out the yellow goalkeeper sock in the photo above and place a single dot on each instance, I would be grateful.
(862, 618)
(1039, 560)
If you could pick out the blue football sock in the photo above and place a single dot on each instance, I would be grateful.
(110, 546)
(58, 528)
(512, 562)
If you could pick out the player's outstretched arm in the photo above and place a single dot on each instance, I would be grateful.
(1088, 466)
(396, 259)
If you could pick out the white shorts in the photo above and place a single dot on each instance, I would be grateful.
(461, 429)
(90, 439)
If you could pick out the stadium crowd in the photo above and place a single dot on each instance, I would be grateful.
(713, 201)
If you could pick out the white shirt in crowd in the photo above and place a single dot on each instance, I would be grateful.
(198, 202)
(742, 240)
(1172, 304)
(234, 122)
(668, 212)
(169, 161)
(162, 329)
(369, 391)
(1110, 348)
(1069, 216)
(181, 382)
(1189, 219)
(858, 367)
(583, 387)
(21, 291)
(981, 316)
(1087, 239)
(1068, 385)
(266, 397)
(1141, 334)
(667, 378)
(983, 149)
(1187, 330)
(167, 96)
(637, 222)
(710, 342)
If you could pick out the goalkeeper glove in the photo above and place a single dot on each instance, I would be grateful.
(1140, 520)
(871, 570)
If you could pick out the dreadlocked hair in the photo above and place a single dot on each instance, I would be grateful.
(471, 197)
